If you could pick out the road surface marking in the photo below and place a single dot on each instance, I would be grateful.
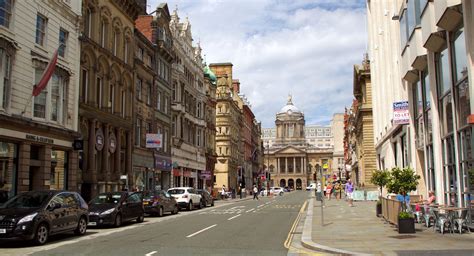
(233, 217)
(262, 205)
(202, 230)
(295, 225)
(250, 210)
(150, 253)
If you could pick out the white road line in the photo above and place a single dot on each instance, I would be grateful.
(262, 205)
(202, 230)
(233, 217)
(150, 253)
(250, 210)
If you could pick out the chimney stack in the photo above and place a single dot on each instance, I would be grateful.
(236, 85)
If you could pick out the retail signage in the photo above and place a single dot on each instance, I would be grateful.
(99, 139)
(112, 143)
(401, 113)
(39, 139)
(78, 145)
(153, 140)
(205, 175)
(325, 166)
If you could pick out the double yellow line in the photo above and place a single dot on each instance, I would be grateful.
(295, 225)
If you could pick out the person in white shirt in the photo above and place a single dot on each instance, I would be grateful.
(255, 192)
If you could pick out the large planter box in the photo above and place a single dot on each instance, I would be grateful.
(378, 210)
(406, 226)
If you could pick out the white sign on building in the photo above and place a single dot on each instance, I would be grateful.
(401, 113)
(153, 140)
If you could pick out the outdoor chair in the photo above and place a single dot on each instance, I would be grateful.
(460, 220)
(418, 214)
(427, 213)
(442, 221)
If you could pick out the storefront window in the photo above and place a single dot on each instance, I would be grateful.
(460, 55)
(443, 72)
(8, 170)
(59, 170)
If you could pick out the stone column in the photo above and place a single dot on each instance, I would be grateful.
(73, 167)
(304, 164)
(294, 164)
(43, 180)
(118, 148)
(286, 165)
(128, 158)
(91, 172)
(278, 165)
(24, 152)
(301, 166)
(105, 156)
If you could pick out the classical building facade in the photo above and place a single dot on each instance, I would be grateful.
(188, 107)
(107, 94)
(228, 126)
(154, 57)
(290, 159)
(432, 42)
(358, 131)
(37, 132)
(210, 81)
(337, 129)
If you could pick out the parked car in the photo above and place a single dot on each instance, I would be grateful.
(115, 208)
(207, 199)
(157, 202)
(312, 186)
(263, 192)
(276, 191)
(187, 197)
(36, 215)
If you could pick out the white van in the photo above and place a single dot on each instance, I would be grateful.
(312, 186)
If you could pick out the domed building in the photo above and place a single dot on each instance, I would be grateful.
(292, 155)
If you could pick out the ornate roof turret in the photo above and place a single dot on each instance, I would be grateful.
(208, 73)
(289, 108)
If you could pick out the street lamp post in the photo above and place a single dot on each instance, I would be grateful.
(267, 176)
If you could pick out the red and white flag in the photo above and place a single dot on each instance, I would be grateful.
(46, 75)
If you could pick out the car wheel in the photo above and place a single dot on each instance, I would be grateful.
(160, 212)
(81, 227)
(141, 218)
(190, 206)
(118, 220)
(41, 234)
(200, 205)
(175, 210)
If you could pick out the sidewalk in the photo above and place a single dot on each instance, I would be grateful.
(356, 230)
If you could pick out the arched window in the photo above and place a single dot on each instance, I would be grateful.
(103, 33)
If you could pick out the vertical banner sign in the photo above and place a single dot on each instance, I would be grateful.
(401, 114)
(153, 140)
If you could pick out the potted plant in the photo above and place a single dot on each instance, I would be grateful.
(402, 181)
(380, 178)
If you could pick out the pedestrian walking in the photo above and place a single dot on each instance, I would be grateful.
(338, 190)
(255, 192)
(223, 192)
(349, 191)
(328, 191)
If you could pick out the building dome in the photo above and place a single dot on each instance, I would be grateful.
(289, 108)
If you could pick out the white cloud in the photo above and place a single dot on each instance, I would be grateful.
(306, 48)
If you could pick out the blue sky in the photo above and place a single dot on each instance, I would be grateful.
(306, 48)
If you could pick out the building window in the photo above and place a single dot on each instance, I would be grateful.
(112, 97)
(125, 51)
(165, 141)
(148, 93)
(413, 13)
(40, 29)
(158, 101)
(5, 12)
(198, 137)
(123, 102)
(103, 33)
(49, 104)
(84, 84)
(138, 130)
(140, 53)
(63, 35)
(444, 90)
(173, 126)
(139, 89)
(198, 111)
(165, 107)
(148, 127)
(116, 42)
(39, 106)
(88, 22)
(57, 97)
(5, 67)
(98, 93)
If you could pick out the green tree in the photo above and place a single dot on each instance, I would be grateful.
(380, 178)
(402, 181)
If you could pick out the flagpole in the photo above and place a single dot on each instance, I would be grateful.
(27, 104)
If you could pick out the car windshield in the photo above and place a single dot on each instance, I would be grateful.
(107, 199)
(176, 191)
(148, 194)
(27, 200)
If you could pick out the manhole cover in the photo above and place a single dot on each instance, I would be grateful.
(403, 236)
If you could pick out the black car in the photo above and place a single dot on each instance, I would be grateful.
(206, 197)
(36, 215)
(115, 208)
(157, 202)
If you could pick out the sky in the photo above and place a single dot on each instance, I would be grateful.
(280, 47)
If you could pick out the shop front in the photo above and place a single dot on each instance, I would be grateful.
(163, 167)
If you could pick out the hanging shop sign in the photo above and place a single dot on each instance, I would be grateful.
(99, 139)
(112, 143)
(401, 113)
(153, 140)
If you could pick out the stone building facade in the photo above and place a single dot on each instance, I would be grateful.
(155, 55)
(106, 94)
(359, 129)
(290, 159)
(210, 81)
(228, 124)
(37, 132)
(188, 107)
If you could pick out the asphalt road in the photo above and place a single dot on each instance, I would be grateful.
(230, 228)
